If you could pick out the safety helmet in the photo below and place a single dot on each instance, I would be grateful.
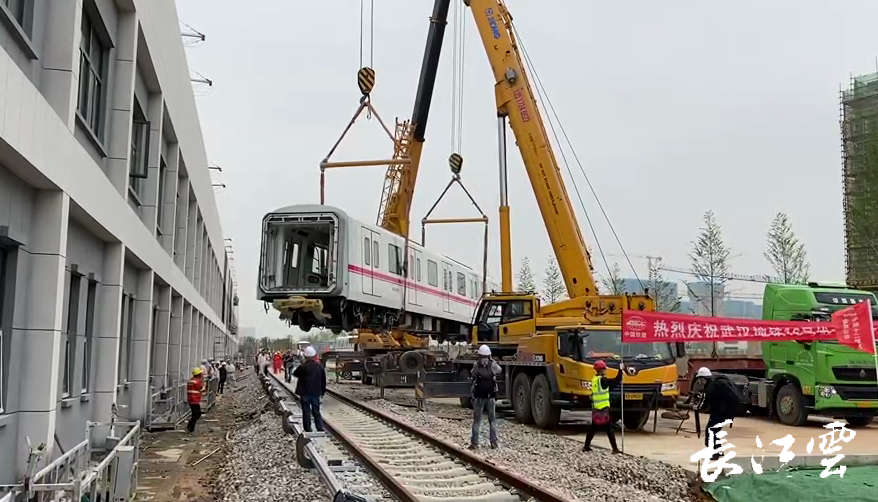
(310, 352)
(197, 371)
(600, 365)
(484, 350)
(703, 372)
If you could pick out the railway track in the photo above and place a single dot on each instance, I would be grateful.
(413, 465)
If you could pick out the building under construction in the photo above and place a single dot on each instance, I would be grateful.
(859, 133)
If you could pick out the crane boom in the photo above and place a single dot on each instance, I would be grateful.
(399, 180)
(516, 101)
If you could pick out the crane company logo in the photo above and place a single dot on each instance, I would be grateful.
(493, 22)
(631, 370)
(635, 327)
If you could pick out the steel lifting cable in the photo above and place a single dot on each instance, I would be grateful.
(545, 98)
(457, 67)
(371, 31)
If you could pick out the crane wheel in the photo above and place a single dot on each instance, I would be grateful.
(521, 388)
(546, 414)
(411, 362)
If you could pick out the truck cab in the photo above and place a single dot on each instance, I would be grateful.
(818, 377)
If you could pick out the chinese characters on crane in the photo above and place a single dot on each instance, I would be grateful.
(711, 469)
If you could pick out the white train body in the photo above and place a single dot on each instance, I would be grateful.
(364, 275)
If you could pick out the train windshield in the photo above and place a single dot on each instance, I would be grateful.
(299, 254)
(607, 344)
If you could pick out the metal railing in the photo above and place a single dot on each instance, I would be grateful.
(87, 472)
(167, 407)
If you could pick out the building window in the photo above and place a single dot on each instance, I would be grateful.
(4, 263)
(92, 77)
(22, 12)
(160, 209)
(72, 327)
(461, 284)
(139, 161)
(90, 299)
(126, 331)
(432, 273)
(394, 259)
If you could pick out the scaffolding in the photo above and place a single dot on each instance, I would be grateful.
(859, 136)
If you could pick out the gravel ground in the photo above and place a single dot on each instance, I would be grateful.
(548, 459)
(261, 460)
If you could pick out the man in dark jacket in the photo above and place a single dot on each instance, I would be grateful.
(288, 366)
(721, 399)
(484, 393)
(223, 374)
(310, 387)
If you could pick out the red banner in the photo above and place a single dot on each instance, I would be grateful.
(854, 327)
(669, 327)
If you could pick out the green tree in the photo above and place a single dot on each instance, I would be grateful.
(786, 253)
(710, 262)
(554, 289)
(613, 281)
(526, 277)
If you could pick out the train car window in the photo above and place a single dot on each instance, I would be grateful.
(367, 250)
(393, 259)
(418, 262)
(461, 284)
(432, 273)
(375, 263)
(445, 280)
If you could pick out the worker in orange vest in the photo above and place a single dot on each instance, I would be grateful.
(195, 389)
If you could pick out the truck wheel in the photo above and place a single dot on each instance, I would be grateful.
(463, 376)
(860, 421)
(521, 399)
(347, 375)
(546, 415)
(634, 420)
(790, 406)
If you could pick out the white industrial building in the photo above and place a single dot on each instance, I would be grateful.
(114, 274)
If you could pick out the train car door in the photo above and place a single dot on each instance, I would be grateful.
(448, 286)
(369, 261)
(415, 277)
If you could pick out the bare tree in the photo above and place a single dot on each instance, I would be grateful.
(526, 277)
(662, 292)
(710, 262)
(786, 253)
(554, 289)
(613, 282)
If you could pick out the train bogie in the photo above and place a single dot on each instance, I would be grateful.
(362, 275)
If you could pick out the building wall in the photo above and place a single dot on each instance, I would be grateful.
(98, 308)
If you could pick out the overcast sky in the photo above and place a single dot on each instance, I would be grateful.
(673, 108)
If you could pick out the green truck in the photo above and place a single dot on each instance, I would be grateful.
(812, 378)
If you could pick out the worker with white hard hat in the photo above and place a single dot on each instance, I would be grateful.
(702, 372)
(719, 396)
(310, 387)
(484, 395)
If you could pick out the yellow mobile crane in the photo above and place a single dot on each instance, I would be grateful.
(547, 351)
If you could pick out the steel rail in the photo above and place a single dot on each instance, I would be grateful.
(513, 480)
(396, 488)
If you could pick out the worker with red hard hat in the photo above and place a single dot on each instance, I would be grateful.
(600, 404)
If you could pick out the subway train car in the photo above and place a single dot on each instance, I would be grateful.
(363, 275)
